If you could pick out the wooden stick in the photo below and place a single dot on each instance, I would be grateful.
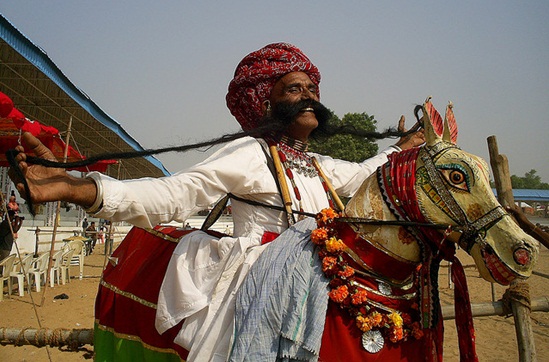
(286, 199)
(494, 308)
(521, 313)
(46, 337)
(56, 220)
(330, 187)
(62, 336)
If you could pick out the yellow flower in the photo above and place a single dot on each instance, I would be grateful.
(334, 245)
(396, 319)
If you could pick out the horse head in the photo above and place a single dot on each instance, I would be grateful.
(439, 184)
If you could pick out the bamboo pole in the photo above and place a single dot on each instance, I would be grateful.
(286, 199)
(56, 220)
(109, 240)
(334, 194)
(494, 308)
(43, 337)
(78, 337)
(521, 312)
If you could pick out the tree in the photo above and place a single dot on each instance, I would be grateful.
(529, 181)
(347, 147)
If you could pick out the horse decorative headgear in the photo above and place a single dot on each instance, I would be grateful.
(256, 75)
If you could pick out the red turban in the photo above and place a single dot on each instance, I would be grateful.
(256, 75)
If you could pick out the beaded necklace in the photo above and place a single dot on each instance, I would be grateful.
(293, 156)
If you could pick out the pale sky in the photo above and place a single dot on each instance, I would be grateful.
(161, 68)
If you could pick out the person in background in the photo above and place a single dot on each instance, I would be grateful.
(84, 226)
(12, 203)
(91, 232)
(6, 236)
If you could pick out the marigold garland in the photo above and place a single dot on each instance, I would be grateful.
(395, 326)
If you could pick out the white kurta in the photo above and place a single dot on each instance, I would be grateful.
(205, 272)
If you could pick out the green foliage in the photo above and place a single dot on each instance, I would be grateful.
(529, 181)
(347, 147)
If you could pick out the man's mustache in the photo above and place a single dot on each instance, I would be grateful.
(288, 111)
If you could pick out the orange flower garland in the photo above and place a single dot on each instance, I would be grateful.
(350, 296)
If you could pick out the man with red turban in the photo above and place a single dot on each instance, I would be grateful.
(256, 76)
(275, 95)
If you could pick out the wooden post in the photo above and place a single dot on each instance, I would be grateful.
(47, 337)
(57, 216)
(284, 190)
(37, 240)
(521, 312)
(494, 308)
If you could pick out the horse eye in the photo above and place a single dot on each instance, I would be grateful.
(456, 178)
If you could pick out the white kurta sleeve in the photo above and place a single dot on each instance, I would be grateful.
(238, 167)
(346, 177)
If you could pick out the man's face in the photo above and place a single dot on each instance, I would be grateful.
(292, 88)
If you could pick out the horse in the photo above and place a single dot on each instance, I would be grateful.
(379, 257)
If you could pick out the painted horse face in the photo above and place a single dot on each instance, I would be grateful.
(453, 187)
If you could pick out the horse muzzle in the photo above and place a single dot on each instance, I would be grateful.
(501, 271)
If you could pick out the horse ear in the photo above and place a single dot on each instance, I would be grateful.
(450, 125)
(432, 123)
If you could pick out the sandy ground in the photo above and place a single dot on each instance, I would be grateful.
(495, 336)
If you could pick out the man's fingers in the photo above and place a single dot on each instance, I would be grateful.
(35, 146)
(416, 127)
(21, 156)
(17, 182)
(401, 123)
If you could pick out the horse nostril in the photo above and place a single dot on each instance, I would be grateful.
(521, 256)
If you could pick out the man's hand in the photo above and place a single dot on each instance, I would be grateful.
(48, 184)
(413, 139)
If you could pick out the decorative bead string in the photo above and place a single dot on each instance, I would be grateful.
(302, 163)
(297, 160)
(369, 316)
(326, 188)
(290, 174)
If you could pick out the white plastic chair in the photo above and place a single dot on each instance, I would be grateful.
(56, 268)
(79, 253)
(65, 266)
(7, 266)
(20, 270)
(39, 270)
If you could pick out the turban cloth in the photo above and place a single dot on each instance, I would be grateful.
(256, 75)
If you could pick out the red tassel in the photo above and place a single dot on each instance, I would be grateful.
(464, 316)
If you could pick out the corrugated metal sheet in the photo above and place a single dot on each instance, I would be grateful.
(529, 195)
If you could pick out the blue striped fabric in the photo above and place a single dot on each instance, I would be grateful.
(281, 306)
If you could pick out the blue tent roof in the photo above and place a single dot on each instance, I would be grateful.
(29, 92)
(529, 195)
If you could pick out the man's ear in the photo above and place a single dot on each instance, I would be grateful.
(266, 108)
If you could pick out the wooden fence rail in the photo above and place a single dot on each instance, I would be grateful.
(75, 338)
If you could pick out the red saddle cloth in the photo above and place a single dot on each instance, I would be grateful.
(125, 306)
(342, 339)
